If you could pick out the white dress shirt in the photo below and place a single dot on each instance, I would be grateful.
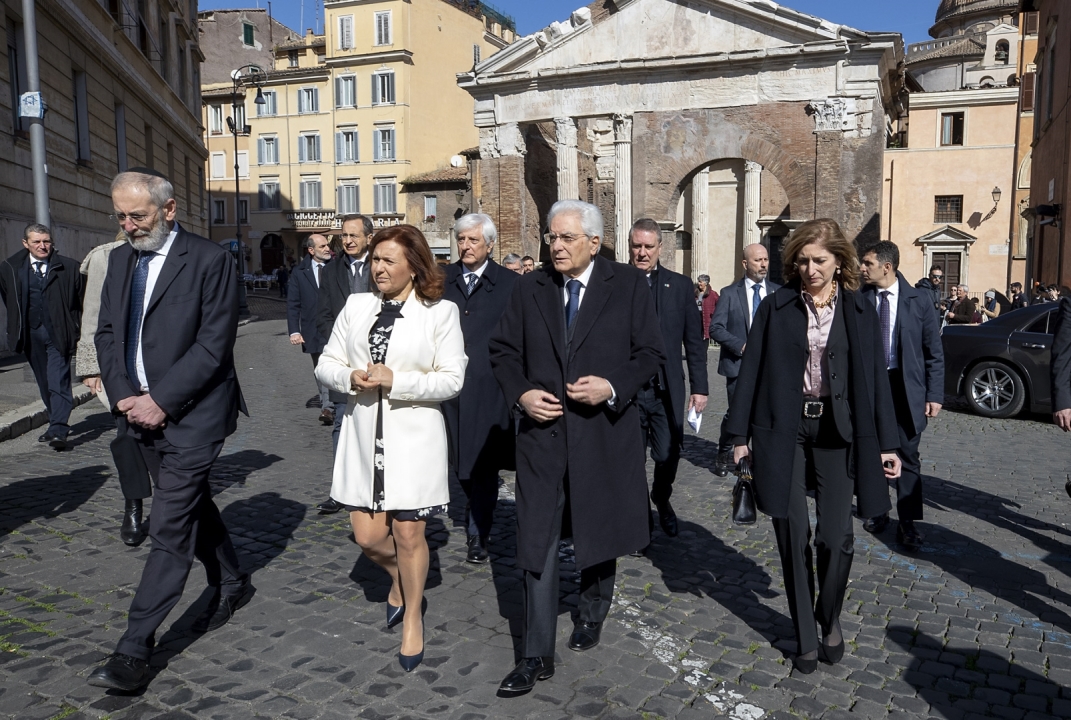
(585, 278)
(894, 301)
(156, 264)
(34, 263)
(748, 285)
(353, 262)
(478, 272)
(317, 268)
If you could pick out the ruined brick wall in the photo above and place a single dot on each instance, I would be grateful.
(595, 164)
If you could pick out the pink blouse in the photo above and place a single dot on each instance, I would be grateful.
(819, 323)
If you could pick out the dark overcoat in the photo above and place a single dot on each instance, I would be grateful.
(1060, 367)
(302, 306)
(335, 290)
(615, 336)
(63, 296)
(682, 328)
(479, 424)
(768, 412)
(187, 339)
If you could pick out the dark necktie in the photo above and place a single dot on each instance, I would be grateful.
(355, 276)
(573, 306)
(316, 267)
(39, 270)
(885, 314)
(473, 279)
(133, 322)
(756, 299)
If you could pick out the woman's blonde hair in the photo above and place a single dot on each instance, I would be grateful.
(827, 233)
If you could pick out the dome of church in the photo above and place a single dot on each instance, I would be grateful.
(952, 8)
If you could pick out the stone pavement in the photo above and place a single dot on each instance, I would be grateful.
(977, 625)
(21, 408)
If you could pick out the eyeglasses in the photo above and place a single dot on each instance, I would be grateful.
(136, 218)
(549, 238)
(937, 277)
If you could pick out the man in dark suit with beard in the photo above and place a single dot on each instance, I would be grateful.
(165, 344)
(577, 342)
(661, 400)
(478, 422)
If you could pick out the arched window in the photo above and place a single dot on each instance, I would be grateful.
(1001, 56)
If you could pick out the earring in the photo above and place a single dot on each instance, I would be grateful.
(838, 271)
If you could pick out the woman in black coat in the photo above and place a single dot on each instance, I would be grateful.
(813, 399)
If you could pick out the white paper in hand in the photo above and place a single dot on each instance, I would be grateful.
(695, 420)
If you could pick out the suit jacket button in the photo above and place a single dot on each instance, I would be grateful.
(466, 312)
(554, 433)
(833, 376)
(837, 397)
(831, 353)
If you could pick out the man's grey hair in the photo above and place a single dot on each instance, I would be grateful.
(703, 279)
(645, 225)
(36, 228)
(963, 287)
(159, 188)
(590, 216)
(486, 224)
(366, 222)
(511, 258)
(309, 243)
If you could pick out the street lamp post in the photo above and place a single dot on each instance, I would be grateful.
(236, 76)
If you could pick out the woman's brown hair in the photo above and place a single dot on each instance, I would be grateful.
(429, 279)
(827, 233)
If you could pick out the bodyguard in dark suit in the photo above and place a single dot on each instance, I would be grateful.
(813, 399)
(661, 400)
(479, 425)
(1060, 370)
(577, 342)
(165, 344)
(911, 341)
(729, 327)
(42, 291)
(302, 313)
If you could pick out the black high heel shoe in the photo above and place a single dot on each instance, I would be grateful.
(394, 614)
(831, 654)
(805, 666)
(409, 663)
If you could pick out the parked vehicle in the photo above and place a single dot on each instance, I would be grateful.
(1002, 366)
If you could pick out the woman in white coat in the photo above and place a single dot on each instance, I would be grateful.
(398, 352)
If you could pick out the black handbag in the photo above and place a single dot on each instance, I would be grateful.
(744, 512)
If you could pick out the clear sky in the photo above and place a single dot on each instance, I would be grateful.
(912, 18)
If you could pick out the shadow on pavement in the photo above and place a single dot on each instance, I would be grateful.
(233, 469)
(375, 581)
(44, 498)
(91, 428)
(952, 689)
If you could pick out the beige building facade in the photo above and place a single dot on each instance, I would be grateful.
(350, 115)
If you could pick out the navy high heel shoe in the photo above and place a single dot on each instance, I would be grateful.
(409, 663)
(394, 615)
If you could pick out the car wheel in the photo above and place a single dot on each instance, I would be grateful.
(995, 390)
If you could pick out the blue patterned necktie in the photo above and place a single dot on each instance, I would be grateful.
(473, 279)
(137, 307)
(885, 314)
(573, 306)
(755, 300)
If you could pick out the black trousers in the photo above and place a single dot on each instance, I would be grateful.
(481, 490)
(185, 524)
(52, 371)
(821, 461)
(725, 441)
(909, 484)
(541, 594)
(325, 393)
(663, 438)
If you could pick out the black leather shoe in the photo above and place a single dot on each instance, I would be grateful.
(134, 530)
(329, 506)
(327, 416)
(585, 635)
(831, 654)
(804, 666)
(909, 536)
(477, 554)
(57, 443)
(312, 402)
(222, 610)
(528, 672)
(667, 519)
(642, 552)
(724, 464)
(876, 525)
(44, 438)
(121, 672)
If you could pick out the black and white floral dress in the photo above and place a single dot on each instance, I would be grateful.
(378, 342)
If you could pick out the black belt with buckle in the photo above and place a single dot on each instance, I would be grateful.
(813, 408)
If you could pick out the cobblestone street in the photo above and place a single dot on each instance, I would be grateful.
(978, 624)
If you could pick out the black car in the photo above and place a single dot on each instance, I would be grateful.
(1002, 365)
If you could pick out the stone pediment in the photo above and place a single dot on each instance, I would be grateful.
(947, 235)
(646, 30)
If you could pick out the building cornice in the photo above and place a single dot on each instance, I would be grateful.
(963, 98)
(405, 56)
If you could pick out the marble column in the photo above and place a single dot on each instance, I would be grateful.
(622, 184)
(700, 221)
(568, 177)
(752, 176)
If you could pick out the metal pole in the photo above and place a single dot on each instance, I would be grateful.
(37, 125)
(243, 302)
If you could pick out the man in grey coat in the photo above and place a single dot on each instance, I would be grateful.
(737, 305)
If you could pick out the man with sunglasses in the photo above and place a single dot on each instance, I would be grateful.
(42, 291)
(934, 286)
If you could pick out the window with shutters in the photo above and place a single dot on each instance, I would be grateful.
(345, 32)
(349, 202)
(269, 107)
(215, 119)
(268, 150)
(81, 118)
(243, 212)
(268, 195)
(218, 168)
(383, 144)
(309, 148)
(948, 209)
(292, 58)
(346, 91)
(386, 196)
(475, 55)
(310, 193)
(383, 87)
(1026, 92)
(383, 28)
(346, 146)
(243, 163)
(248, 34)
(308, 100)
(219, 212)
(239, 117)
(120, 142)
(1032, 23)
(952, 128)
(431, 205)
